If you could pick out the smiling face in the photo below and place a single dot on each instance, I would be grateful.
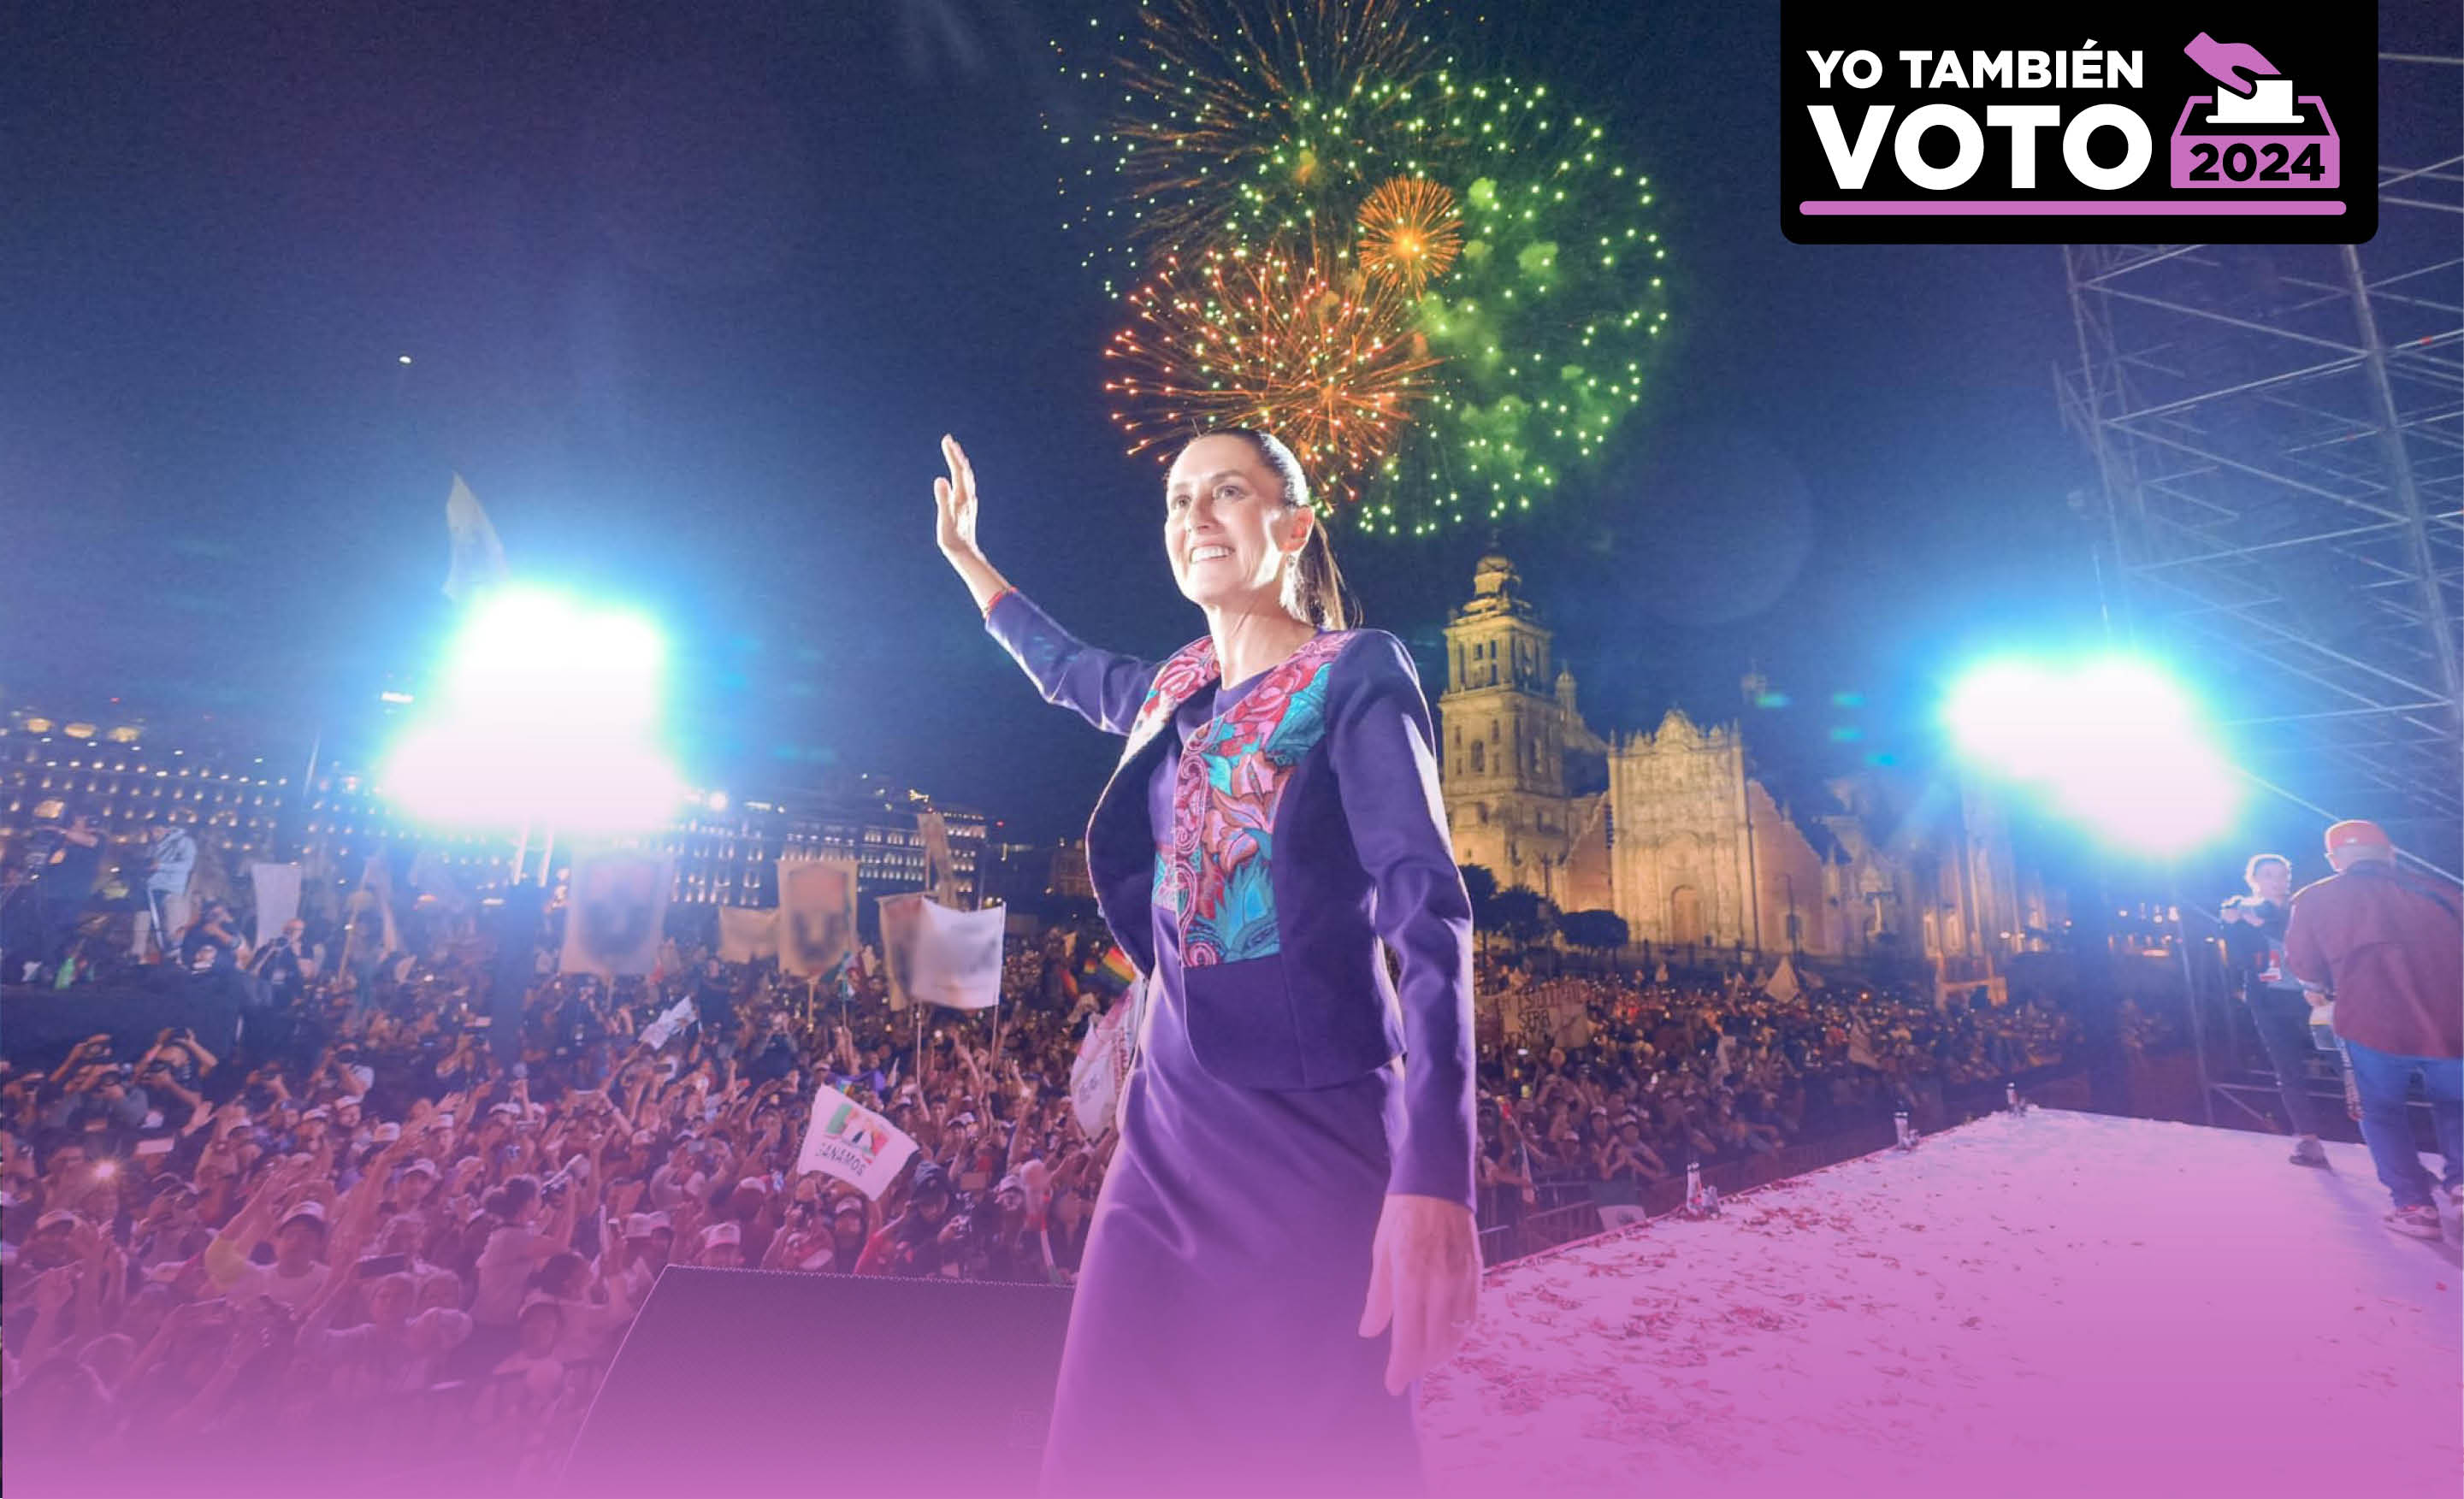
(1228, 527)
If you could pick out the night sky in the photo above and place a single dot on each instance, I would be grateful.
(690, 293)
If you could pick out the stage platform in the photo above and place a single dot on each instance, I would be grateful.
(2056, 1304)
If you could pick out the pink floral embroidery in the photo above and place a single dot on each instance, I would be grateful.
(1191, 668)
(1230, 782)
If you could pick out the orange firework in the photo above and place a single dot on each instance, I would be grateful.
(1268, 340)
(1409, 232)
(1236, 110)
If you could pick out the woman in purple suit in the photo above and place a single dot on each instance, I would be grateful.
(1293, 1184)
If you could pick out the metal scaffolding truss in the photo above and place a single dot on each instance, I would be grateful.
(2279, 432)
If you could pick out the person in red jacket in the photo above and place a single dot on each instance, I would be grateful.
(2389, 946)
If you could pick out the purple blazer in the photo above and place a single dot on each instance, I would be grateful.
(1281, 912)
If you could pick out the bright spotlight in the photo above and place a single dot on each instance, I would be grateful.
(548, 714)
(2114, 743)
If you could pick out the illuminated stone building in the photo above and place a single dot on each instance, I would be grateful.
(1667, 827)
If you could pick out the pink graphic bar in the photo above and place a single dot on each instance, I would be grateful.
(1816, 208)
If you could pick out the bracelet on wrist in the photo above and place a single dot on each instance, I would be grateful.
(996, 599)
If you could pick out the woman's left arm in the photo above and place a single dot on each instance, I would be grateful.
(1424, 1261)
(1384, 755)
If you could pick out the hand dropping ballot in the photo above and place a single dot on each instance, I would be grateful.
(2254, 131)
(853, 1144)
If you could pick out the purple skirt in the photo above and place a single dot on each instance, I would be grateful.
(1214, 1344)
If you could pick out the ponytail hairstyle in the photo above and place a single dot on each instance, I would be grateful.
(1314, 592)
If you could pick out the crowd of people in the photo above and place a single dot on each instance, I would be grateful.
(1655, 1074)
(378, 1223)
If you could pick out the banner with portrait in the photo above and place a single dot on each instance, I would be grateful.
(746, 936)
(615, 911)
(942, 957)
(816, 926)
(849, 1142)
(941, 870)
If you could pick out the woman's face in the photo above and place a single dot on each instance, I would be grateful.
(1222, 509)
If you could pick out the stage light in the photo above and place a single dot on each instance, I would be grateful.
(2113, 743)
(548, 715)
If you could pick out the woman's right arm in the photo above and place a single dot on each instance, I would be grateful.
(1105, 689)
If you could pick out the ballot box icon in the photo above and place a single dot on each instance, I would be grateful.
(2254, 131)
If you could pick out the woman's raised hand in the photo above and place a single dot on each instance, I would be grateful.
(955, 498)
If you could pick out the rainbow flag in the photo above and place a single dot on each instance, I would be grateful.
(1114, 975)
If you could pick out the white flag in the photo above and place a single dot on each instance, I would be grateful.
(677, 1017)
(1782, 985)
(944, 957)
(613, 920)
(853, 1144)
(278, 897)
(1103, 1064)
(478, 560)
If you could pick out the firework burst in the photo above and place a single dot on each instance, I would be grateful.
(1549, 322)
(1257, 111)
(1268, 340)
(1483, 228)
(1410, 232)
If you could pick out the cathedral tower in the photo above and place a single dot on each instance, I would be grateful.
(1503, 735)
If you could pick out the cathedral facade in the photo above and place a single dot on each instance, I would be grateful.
(1668, 828)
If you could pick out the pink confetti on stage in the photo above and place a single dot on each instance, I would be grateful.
(2056, 1304)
